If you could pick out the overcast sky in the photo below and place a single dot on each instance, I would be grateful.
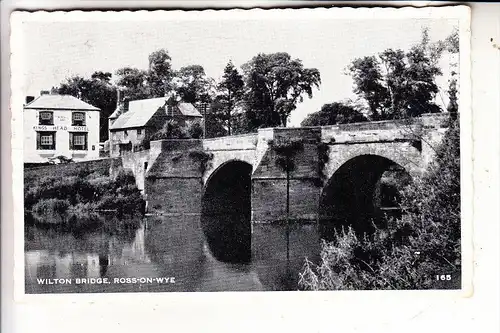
(57, 50)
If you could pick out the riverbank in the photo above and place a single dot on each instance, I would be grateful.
(75, 197)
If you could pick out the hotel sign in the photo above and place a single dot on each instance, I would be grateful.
(61, 128)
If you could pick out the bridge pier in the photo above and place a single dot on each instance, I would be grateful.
(173, 188)
(281, 242)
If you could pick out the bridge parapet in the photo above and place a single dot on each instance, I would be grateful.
(384, 131)
(233, 142)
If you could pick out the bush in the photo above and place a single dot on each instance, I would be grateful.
(124, 177)
(195, 130)
(75, 197)
(412, 250)
(172, 129)
(51, 206)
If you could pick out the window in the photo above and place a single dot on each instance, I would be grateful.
(46, 140)
(78, 141)
(139, 131)
(125, 133)
(78, 119)
(46, 118)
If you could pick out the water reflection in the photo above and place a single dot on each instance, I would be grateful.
(159, 249)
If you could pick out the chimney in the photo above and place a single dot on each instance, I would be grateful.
(29, 99)
(126, 101)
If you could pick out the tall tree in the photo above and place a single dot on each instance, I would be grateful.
(230, 92)
(334, 113)
(367, 76)
(160, 73)
(275, 83)
(97, 91)
(193, 85)
(399, 84)
(133, 82)
(215, 124)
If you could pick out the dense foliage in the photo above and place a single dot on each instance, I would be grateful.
(55, 199)
(97, 91)
(230, 93)
(413, 251)
(334, 113)
(390, 84)
(400, 84)
(275, 83)
(175, 129)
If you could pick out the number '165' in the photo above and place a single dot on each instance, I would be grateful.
(443, 277)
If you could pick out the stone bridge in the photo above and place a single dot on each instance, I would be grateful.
(230, 194)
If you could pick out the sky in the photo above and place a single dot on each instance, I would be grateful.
(54, 51)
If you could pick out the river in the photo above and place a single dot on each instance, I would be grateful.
(158, 255)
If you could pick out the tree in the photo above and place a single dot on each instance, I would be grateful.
(97, 91)
(102, 76)
(367, 77)
(398, 84)
(133, 82)
(193, 85)
(334, 113)
(172, 129)
(215, 119)
(453, 100)
(275, 83)
(159, 74)
(230, 92)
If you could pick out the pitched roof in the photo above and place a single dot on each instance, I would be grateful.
(139, 112)
(60, 102)
(188, 109)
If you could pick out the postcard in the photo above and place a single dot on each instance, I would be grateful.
(242, 150)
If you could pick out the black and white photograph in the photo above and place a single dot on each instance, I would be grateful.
(242, 150)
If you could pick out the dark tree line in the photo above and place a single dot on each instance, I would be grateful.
(262, 95)
(391, 84)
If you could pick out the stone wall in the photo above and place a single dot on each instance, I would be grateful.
(269, 180)
(137, 163)
(173, 181)
(62, 170)
(233, 142)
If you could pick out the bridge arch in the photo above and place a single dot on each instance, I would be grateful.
(226, 211)
(403, 154)
(359, 193)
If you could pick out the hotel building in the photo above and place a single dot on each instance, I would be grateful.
(60, 125)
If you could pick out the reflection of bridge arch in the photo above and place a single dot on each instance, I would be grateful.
(348, 199)
(226, 211)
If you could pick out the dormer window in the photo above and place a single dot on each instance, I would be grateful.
(78, 119)
(46, 118)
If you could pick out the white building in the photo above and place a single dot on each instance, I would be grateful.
(60, 125)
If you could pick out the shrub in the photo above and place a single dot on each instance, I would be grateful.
(172, 129)
(195, 130)
(124, 177)
(51, 206)
(412, 250)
